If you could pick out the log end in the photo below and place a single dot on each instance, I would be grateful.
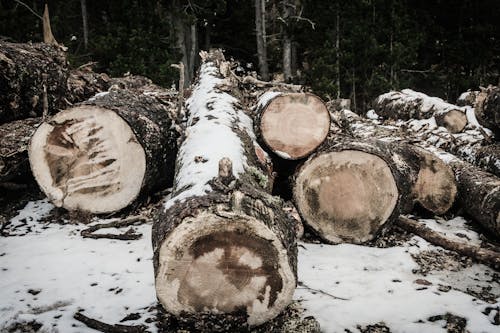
(88, 158)
(454, 121)
(346, 196)
(435, 188)
(295, 124)
(230, 264)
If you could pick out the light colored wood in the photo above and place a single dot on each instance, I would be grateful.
(346, 196)
(294, 125)
(88, 158)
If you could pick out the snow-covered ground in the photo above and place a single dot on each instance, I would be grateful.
(48, 272)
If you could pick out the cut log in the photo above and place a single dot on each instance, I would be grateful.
(478, 192)
(487, 109)
(292, 125)
(467, 98)
(408, 104)
(222, 244)
(25, 69)
(350, 190)
(14, 140)
(479, 195)
(101, 155)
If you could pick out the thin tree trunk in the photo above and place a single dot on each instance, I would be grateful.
(83, 4)
(337, 47)
(287, 41)
(48, 37)
(260, 29)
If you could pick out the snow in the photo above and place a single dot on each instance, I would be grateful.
(283, 154)
(378, 284)
(266, 98)
(209, 135)
(110, 279)
(430, 103)
(371, 114)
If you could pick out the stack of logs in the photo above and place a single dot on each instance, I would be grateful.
(223, 243)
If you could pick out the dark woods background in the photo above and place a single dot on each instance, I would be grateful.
(351, 49)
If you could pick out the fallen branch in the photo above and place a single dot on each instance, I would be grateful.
(107, 328)
(487, 257)
(304, 286)
(130, 234)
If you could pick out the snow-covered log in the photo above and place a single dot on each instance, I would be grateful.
(14, 140)
(472, 145)
(487, 109)
(467, 98)
(351, 189)
(478, 192)
(101, 155)
(292, 125)
(222, 244)
(408, 104)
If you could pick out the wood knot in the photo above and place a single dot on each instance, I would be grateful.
(225, 171)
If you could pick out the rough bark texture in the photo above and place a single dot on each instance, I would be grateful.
(357, 195)
(14, 140)
(224, 227)
(477, 190)
(291, 125)
(76, 137)
(24, 71)
(409, 104)
(487, 109)
(479, 195)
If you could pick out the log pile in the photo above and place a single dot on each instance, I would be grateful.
(223, 245)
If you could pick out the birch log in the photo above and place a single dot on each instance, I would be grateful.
(292, 125)
(350, 190)
(222, 244)
(409, 104)
(487, 109)
(101, 155)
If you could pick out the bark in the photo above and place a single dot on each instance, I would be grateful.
(14, 141)
(479, 195)
(487, 109)
(221, 224)
(291, 125)
(350, 190)
(409, 104)
(260, 22)
(488, 257)
(288, 11)
(478, 192)
(103, 154)
(25, 69)
(473, 145)
(85, 27)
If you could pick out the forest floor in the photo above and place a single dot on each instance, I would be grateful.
(400, 283)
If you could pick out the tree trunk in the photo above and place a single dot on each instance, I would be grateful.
(350, 190)
(14, 141)
(260, 30)
(83, 4)
(478, 192)
(292, 125)
(288, 11)
(409, 104)
(25, 69)
(222, 244)
(487, 109)
(103, 154)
